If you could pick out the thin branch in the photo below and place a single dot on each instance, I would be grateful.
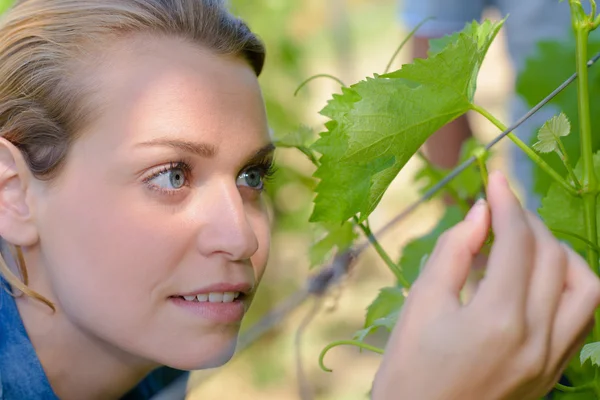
(462, 203)
(356, 343)
(572, 389)
(406, 39)
(533, 156)
(396, 270)
(338, 80)
(304, 387)
(576, 236)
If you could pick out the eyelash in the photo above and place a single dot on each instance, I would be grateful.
(265, 166)
(182, 165)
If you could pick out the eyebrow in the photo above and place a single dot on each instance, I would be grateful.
(201, 149)
(205, 150)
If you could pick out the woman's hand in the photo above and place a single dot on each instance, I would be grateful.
(529, 316)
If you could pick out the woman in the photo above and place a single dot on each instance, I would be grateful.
(134, 151)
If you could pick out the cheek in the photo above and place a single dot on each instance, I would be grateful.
(105, 247)
(262, 229)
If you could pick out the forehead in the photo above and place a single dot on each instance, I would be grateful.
(149, 87)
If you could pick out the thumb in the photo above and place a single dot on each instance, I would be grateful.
(448, 267)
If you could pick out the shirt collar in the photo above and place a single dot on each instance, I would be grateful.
(21, 373)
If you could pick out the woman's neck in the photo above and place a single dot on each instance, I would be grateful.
(78, 365)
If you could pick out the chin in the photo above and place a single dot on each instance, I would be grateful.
(205, 357)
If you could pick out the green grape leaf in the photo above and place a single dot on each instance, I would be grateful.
(485, 32)
(383, 312)
(378, 124)
(390, 299)
(563, 212)
(468, 184)
(590, 351)
(537, 80)
(551, 132)
(302, 137)
(388, 322)
(338, 237)
(414, 252)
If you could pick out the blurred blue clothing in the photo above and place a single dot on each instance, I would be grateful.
(21, 374)
(528, 22)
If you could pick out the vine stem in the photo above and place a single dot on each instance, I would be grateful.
(535, 157)
(382, 253)
(312, 78)
(401, 46)
(462, 203)
(345, 342)
(572, 389)
(482, 168)
(565, 159)
(589, 181)
(576, 236)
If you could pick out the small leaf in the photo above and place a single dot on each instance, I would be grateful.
(414, 252)
(590, 351)
(390, 299)
(302, 137)
(383, 311)
(338, 237)
(563, 212)
(551, 132)
(388, 322)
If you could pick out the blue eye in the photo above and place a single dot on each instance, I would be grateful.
(252, 177)
(170, 178)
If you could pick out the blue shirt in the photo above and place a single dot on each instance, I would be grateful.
(21, 374)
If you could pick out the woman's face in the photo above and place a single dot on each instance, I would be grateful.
(155, 236)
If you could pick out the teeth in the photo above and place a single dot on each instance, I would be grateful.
(214, 297)
(202, 298)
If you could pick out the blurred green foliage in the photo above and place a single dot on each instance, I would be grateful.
(5, 5)
(273, 22)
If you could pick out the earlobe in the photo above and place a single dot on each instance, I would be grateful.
(16, 217)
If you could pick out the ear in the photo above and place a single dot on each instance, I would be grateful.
(16, 217)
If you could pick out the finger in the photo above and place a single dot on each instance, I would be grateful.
(570, 354)
(575, 312)
(547, 281)
(512, 254)
(448, 267)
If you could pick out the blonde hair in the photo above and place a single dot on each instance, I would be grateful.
(41, 108)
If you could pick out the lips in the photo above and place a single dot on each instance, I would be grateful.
(220, 303)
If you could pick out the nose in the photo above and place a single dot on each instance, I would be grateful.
(227, 229)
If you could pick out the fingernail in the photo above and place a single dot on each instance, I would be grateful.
(477, 211)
